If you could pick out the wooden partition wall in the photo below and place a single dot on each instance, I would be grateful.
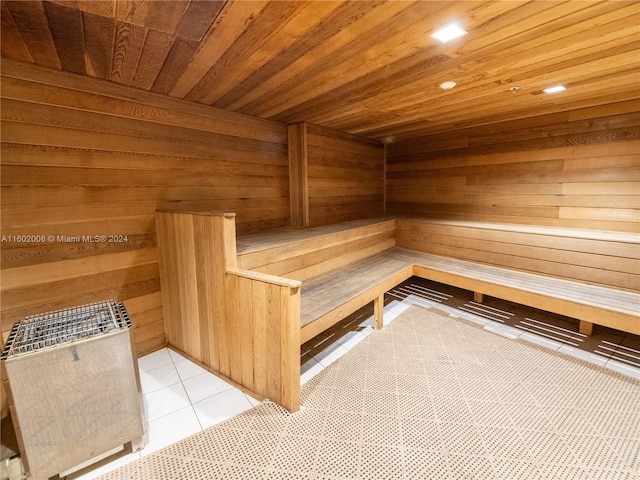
(242, 324)
(335, 176)
(86, 163)
(577, 169)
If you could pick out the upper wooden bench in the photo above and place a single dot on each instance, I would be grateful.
(243, 306)
(340, 267)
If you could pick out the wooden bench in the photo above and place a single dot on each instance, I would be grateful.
(583, 257)
(340, 266)
(243, 306)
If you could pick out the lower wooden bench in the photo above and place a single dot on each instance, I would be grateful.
(247, 326)
(329, 298)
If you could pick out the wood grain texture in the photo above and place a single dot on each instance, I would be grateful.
(302, 254)
(580, 169)
(299, 175)
(345, 176)
(241, 324)
(609, 259)
(83, 158)
(367, 68)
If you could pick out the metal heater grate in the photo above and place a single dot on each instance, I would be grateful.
(73, 386)
(63, 326)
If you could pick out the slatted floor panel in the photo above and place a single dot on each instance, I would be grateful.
(553, 331)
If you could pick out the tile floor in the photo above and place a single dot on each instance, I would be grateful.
(181, 398)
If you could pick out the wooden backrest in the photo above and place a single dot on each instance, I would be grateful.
(301, 254)
(599, 257)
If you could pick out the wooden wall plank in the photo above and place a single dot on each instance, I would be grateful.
(62, 176)
(580, 169)
(345, 176)
(145, 104)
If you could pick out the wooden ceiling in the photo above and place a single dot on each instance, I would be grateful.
(365, 67)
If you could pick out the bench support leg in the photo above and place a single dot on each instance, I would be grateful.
(378, 310)
(586, 328)
(478, 297)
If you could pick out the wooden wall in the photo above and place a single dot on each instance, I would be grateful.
(577, 169)
(345, 176)
(85, 158)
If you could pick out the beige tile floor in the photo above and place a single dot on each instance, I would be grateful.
(181, 398)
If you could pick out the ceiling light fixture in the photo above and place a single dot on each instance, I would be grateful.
(556, 89)
(448, 85)
(448, 33)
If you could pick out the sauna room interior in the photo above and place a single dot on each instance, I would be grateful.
(250, 177)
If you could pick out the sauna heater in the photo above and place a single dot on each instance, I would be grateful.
(73, 386)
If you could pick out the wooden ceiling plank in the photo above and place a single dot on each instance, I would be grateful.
(346, 65)
(98, 39)
(68, 35)
(376, 49)
(328, 24)
(420, 128)
(459, 121)
(583, 68)
(475, 48)
(414, 102)
(557, 129)
(581, 35)
(11, 40)
(524, 21)
(65, 3)
(390, 97)
(273, 17)
(405, 96)
(166, 16)
(455, 104)
(175, 64)
(128, 42)
(331, 52)
(103, 8)
(198, 18)
(295, 25)
(381, 76)
(228, 26)
(133, 11)
(31, 20)
(154, 53)
(523, 53)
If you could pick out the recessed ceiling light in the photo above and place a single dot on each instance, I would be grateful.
(556, 89)
(448, 85)
(448, 33)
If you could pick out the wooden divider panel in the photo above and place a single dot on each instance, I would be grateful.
(243, 325)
